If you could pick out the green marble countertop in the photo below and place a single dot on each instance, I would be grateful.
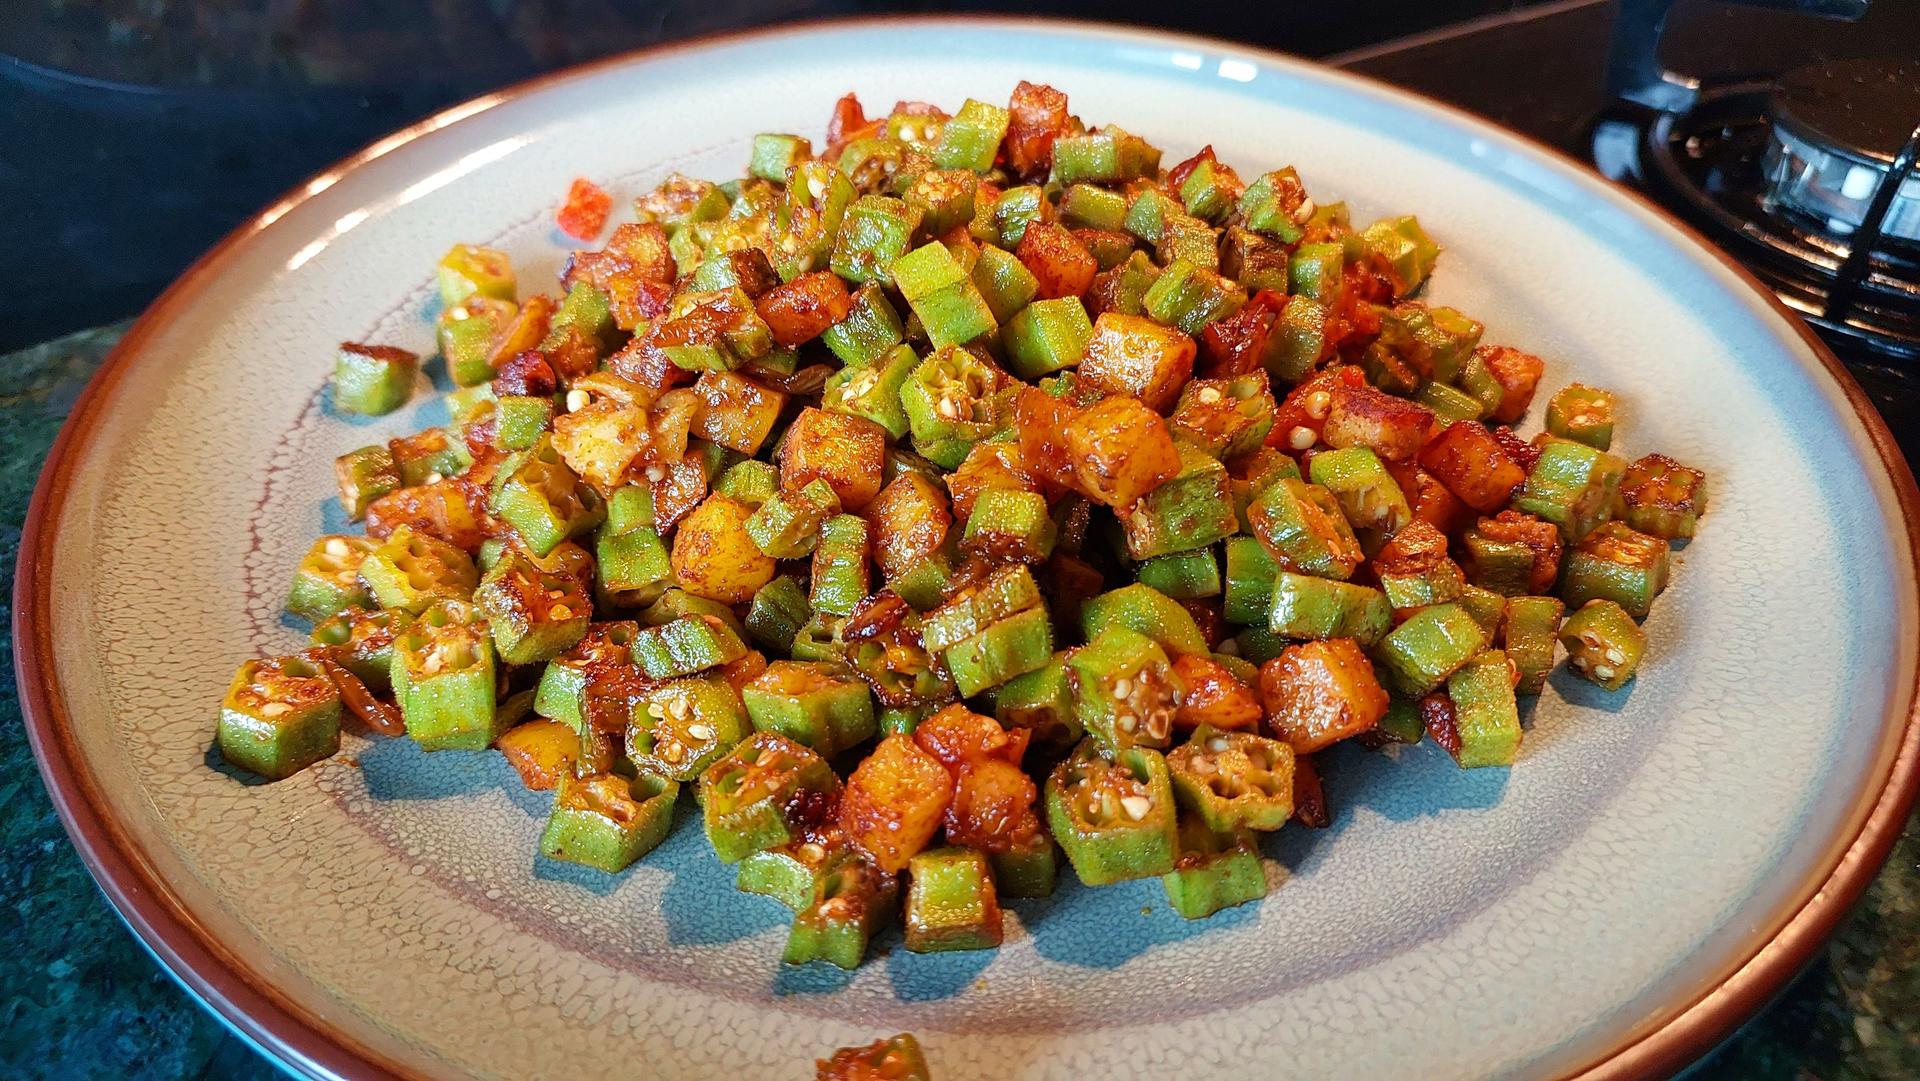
(80, 998)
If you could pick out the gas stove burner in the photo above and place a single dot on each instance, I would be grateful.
(1837, 129)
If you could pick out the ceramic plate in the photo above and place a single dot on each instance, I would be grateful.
(1653, 867)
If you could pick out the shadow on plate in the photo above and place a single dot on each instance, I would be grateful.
(701, 904)
(397, 769)
(217, 762)
(1111, 925)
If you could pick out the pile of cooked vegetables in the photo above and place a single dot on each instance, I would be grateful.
(962, 493)
(895, 1058)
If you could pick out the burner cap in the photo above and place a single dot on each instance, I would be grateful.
(1865, 109)
(1837, 128)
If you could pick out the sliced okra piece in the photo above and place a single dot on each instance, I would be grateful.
(1234, 780)
(1185, 238)
(1190, 295)
(749, 793)
(1041, 701)
(1583, 414)
(713, 330)
(470, 269)
(1616, 563)
(476, 331)
(686, 645)
(875, 233)
(778, 611)
(1009, 526)
(280, 715)
(1028, 868)
(1123, 288)
(1225, 417)
(1093, 207)
(1106, 156)
(1185, 576)
(362, 642)
(942, 294)
(681, 727)
(1417, 583)
(1448, 403)
(1046, 336)
(808, 219)
(752, 482)
(1211, 190)
(1297, 340)
(606, 821)
(1603, 643)
(944, 197)
(820, 705)
(1367, 495)
(925, 586)
(1315, 271)
(1258, 645)
(1435, 342)
(444, 679)
(605, 648)
(542, 499)
(1114, 819)
(410, 570)
(972, 137)
(897, 1058)
(1125, 689)
(946, 398)
(1571, 485)
(534, 615)
(851, 903)
(871, 328)
(1301, 606)
(1405, 247)
(1485, 714)
(1004, 282)
(1503, 566)
(1003, 223)
(1277, 204)
(588, 310)
(364, 475)
(818, 639)
(1659, 497)
(773, 154)
(372, 379)
(1147, 611)
(1485, 606)
(1302, 524)
(788, 525)
(951, 903)
(1528, 634)
(901, 720)
(1215, 870)
(871, 389)
(791, 873)
(632, 566)
(1014, 646)
(1401, 722)
(1255, 261)
(1191, 510)
(842, 574)
(327, 581)
(1250, 572)
(678, 603)
(520, 420)
(1430, 646)
(426, 456)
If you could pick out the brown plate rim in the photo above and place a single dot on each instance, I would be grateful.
(289, 1033)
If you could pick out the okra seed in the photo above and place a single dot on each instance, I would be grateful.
(1318, 404)
(1229, 648)
(1122, 687)
(672, 751)
(812, 852)
(274, 709)
(1301, 438)
(656, 472)
(434, 478)
(560, 611)
(1217, 744)
(1616, 657)
(700, 731)
(1136, 806)
(1127, 722)
(1208, 395)
(1601, 671)
(336, 547)
(577, 400)
(1306, 210)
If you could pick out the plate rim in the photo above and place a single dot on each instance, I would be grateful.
(248, 1003)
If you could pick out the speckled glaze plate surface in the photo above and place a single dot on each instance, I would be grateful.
(1654, 866)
